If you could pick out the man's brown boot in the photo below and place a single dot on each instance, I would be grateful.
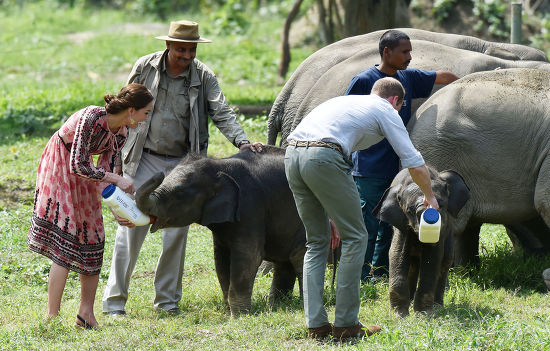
(355, 331)
(320, 332)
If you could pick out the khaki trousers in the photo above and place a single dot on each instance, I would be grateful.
(128, 242)
(321, 182)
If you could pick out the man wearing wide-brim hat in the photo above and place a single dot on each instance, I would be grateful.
(186, 93)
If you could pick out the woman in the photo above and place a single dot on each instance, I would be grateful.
(67, 225)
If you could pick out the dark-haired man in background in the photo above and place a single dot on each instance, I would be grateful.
(375, 167)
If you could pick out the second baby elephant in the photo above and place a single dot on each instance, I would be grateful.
(246, 202)
(419, 269)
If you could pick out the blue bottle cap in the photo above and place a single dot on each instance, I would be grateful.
(108, 191)
(431, 215)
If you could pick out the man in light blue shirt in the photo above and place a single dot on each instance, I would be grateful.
(318, 169)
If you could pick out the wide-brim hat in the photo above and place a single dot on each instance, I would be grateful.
(184, 31)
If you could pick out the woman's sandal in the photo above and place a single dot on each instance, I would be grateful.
(84, 324)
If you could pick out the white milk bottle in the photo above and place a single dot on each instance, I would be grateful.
(430, 225)
(124, 206)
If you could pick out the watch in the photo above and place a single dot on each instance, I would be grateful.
(241, 143)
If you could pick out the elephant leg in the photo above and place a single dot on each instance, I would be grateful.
(413, 272)
(297, 262)
(466, 246)
(533, 236)
(243, 268)
(222, 262)
(400, 256)
(446, 263)
(265, 268)
(284, 278)
(542, 204)
(430, 268)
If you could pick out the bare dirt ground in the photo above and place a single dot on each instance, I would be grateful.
(127, 28)
(12, 195)
(149, 29)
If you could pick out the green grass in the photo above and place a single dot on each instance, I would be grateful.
(46, 75)
(501, 306)
(56, 60)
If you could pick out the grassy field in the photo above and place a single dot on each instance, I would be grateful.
(54, 61)
(501, 306)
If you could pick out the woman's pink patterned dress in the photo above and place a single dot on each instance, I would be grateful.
(67, 225)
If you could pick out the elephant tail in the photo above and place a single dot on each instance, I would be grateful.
(273, 126)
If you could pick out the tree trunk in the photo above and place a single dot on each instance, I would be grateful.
(370, 15)
(285, 55)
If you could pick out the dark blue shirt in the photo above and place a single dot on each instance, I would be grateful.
(379, 160)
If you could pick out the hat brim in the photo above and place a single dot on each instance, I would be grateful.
(200, 40)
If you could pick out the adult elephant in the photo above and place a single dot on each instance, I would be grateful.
(327, 72)
(418, 269)
(493, 128)
(246, 202)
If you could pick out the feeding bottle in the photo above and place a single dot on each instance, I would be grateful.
(124, 206)
(430, 225)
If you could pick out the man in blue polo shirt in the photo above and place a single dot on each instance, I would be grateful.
(375, 167)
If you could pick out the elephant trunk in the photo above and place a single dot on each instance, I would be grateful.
(145, 200)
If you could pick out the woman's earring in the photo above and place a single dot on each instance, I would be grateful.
(133, 121)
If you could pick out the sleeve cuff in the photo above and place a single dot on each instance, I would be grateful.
(110, 178)
(413, 161)
(242, 142)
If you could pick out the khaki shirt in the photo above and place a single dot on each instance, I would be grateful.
(205, 99)
(169, 127)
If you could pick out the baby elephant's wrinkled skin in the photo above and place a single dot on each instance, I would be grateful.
(419, 270)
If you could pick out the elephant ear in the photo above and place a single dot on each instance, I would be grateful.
(223, 207)
(389, 209)
(459, 193)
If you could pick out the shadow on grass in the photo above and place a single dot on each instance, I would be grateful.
(468, 315)
(259, 305)
(508, 269)
(10, 136)
(286, 304)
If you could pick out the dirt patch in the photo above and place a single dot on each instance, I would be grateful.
(146, 29)
(126, 28)
(14, 194)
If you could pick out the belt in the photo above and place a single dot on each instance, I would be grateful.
(333, 146)
(151, 152)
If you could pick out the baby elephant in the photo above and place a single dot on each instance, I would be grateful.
(417, 269)
(246, 202)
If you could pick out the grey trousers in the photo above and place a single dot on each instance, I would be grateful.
(322, 185)
(128, 242)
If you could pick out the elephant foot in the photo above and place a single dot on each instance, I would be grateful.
(238, 309)
(426, 308)
(546, 277)
(401, 312)
(428, 312)
(236, 313)
(399, 303)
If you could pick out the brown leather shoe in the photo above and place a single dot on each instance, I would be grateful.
(320, 332)
(355, 331)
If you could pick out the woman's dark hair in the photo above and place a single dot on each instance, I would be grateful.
(391, 39)
(132, 95)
